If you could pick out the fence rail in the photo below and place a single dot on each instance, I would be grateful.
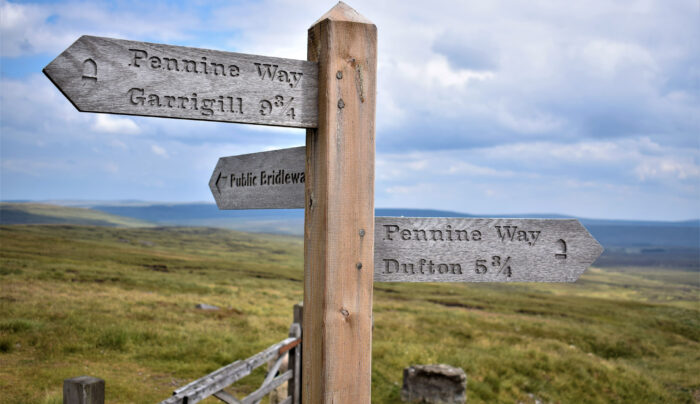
(214, 383)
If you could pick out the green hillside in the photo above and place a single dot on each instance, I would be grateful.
(38, 213)
(119, 303)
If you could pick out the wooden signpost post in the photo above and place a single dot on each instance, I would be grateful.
(339, 213)
(346, 249)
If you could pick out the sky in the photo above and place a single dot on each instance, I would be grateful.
(584, 108)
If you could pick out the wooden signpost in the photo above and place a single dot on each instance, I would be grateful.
(481, 250)
(333, 95)
(267, 180)
(139, 78)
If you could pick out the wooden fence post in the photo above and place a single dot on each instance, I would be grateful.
(84, 390)
(294, 364)
(339, 214)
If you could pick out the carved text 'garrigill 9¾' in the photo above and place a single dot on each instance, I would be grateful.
(209, 105)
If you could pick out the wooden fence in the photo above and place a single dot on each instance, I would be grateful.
(214, 383)
(91, 390)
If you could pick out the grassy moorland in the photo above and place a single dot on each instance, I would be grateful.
(119, 303)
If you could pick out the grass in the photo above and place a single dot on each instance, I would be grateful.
(119, 303)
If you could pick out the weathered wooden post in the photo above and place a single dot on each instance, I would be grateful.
(339, 215)
(84, 390)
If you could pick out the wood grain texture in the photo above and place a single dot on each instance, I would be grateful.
(267, 180)
(481, 250)
(139, 78)
(339, 204)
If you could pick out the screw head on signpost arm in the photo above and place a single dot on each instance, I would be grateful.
(339, 201)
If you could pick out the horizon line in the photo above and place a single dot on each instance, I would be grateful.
(140, 202)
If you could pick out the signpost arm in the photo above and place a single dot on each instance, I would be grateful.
(339, 214)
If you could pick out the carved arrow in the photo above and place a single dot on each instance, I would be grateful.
(217, 183)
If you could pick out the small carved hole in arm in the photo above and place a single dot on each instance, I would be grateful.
(89, 70)
(562, 254)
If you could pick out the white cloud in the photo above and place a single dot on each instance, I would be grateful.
(21, 101)
(528, 121)
(159, 151)
(641, 158)
(608, 57)
(437, 72)
(118, 144)
(114, 124)
(667, 167)
(473, 170)
(544, 177)
(29, 29)
(443, 166)
(399, 189)
(111, 167)
(12, 16)
(34, 167)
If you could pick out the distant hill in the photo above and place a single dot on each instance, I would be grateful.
(277, 221)
(37, 213)
(626, 242)
(617, 233)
